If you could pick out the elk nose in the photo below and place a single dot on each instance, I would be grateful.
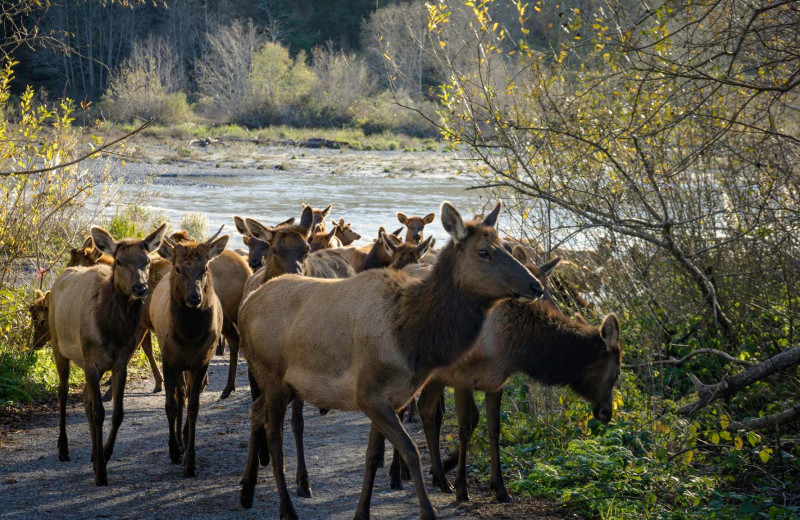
(139, 290)
(536, 290)
(604, 415)
(255, 264)
(193, 299)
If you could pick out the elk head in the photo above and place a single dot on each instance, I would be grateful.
(415, 226)
(481, 266)
(288, 245)
(344, 233)
(85, 256)
(597, 380)
(319, 216)
(406, 253)
(131, 259)
(320, 239)
(190, 274)
(257, 249)
(40, 319)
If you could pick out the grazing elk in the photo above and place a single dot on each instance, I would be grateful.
(384, 333)
(39, 310)
(537, 340)
(414, 226)
(345, 233)
(87, 256)
(95, 322)
(231, 273)
(187, 317)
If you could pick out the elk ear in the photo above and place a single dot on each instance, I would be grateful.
(609, 331)
(87, 242)
(429, 218)
(103, 241)
(387, 242)
(152, 241)
(424, 246)
(452, 222)
(95, 255)
(333, 232)
(39, 294)
(47, 298)
(326, 211)
(259, 230)
(519, 253)
(287, 222)
(580, 319)
(548, 267)
(241, 227)
(402, 218)
(217, 247)
(491, 218)
(307, 218)
(165, 251)
(341, 223)
(397, 232)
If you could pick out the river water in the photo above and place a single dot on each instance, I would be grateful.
(368, 198)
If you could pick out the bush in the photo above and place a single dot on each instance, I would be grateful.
(278, 86)
(147, 86)
(196, 224)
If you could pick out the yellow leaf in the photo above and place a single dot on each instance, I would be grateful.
(738, 443)
(765, 454)
(724, 422)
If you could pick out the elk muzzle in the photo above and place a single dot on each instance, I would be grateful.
(139, 290)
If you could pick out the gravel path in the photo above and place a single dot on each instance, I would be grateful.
(144, 484)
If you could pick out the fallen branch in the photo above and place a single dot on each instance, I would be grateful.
(729, 386)
(313, 142)
(96, 151)
(687, 357)
(767, 422)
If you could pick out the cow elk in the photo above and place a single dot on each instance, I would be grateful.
(370, 342)
(95, 322)
(537, 340)
(188, 319)
(414, 226)
(319, 217)
(257, 249)
(39, 310)
(345, 233)
(323, 240)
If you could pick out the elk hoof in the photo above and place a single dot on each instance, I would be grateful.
(405, 473)
(324, 411)
(226, 393)
(64, 457)
(504, 497)
(101, 480)
(247, 502)
(289, 514)
(362, 515)
(304, 490)
(189, 471)
(107, 396)
(462, 496)
(444, 485)
(157, 389)
(395, 482)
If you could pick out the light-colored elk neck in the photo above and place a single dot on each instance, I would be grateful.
(435, 322)
(118, 313)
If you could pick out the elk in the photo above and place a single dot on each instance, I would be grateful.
(535, 339)
(39, 310)
(188, 319)
(231, 273)
(344, 233)
(95, 322)
(384, 334)
(414, 226)
(88, 255)
(323, 240)
(319, 216)
(257, 249)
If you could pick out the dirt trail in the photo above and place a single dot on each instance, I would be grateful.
(143, 483)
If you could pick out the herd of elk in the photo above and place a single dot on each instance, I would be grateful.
(322, 320)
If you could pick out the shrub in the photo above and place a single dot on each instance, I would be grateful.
(196, 224)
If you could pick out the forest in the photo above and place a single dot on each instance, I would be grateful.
(653, 148)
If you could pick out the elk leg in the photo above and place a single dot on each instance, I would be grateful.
(411, 411)
(232, 336)
(193, 409)
(298, 426)
(258, 418)
(180, 430)
(107, 393)
(171, 409)
(118, 378)
(395, 470)
(255, 393)
(220, 346)
(95, 413)
(62, 366)
(430, 411)
(147, 347)
(390, 426)
(276, 412)
(493, 401)
(375, 449)
(468, 415)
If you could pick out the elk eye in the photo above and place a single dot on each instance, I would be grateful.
(484, 254)
(178, 269)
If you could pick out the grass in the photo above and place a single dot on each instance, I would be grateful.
(354, 138)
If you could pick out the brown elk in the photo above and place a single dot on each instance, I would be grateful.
(39, 310)
(414, 226)
(256, 249)
(88, 255)
(385, 332)
(323, 240)
(188, 319)
(345, 233)
(231, 273)
(319, 217)
(95, 322)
